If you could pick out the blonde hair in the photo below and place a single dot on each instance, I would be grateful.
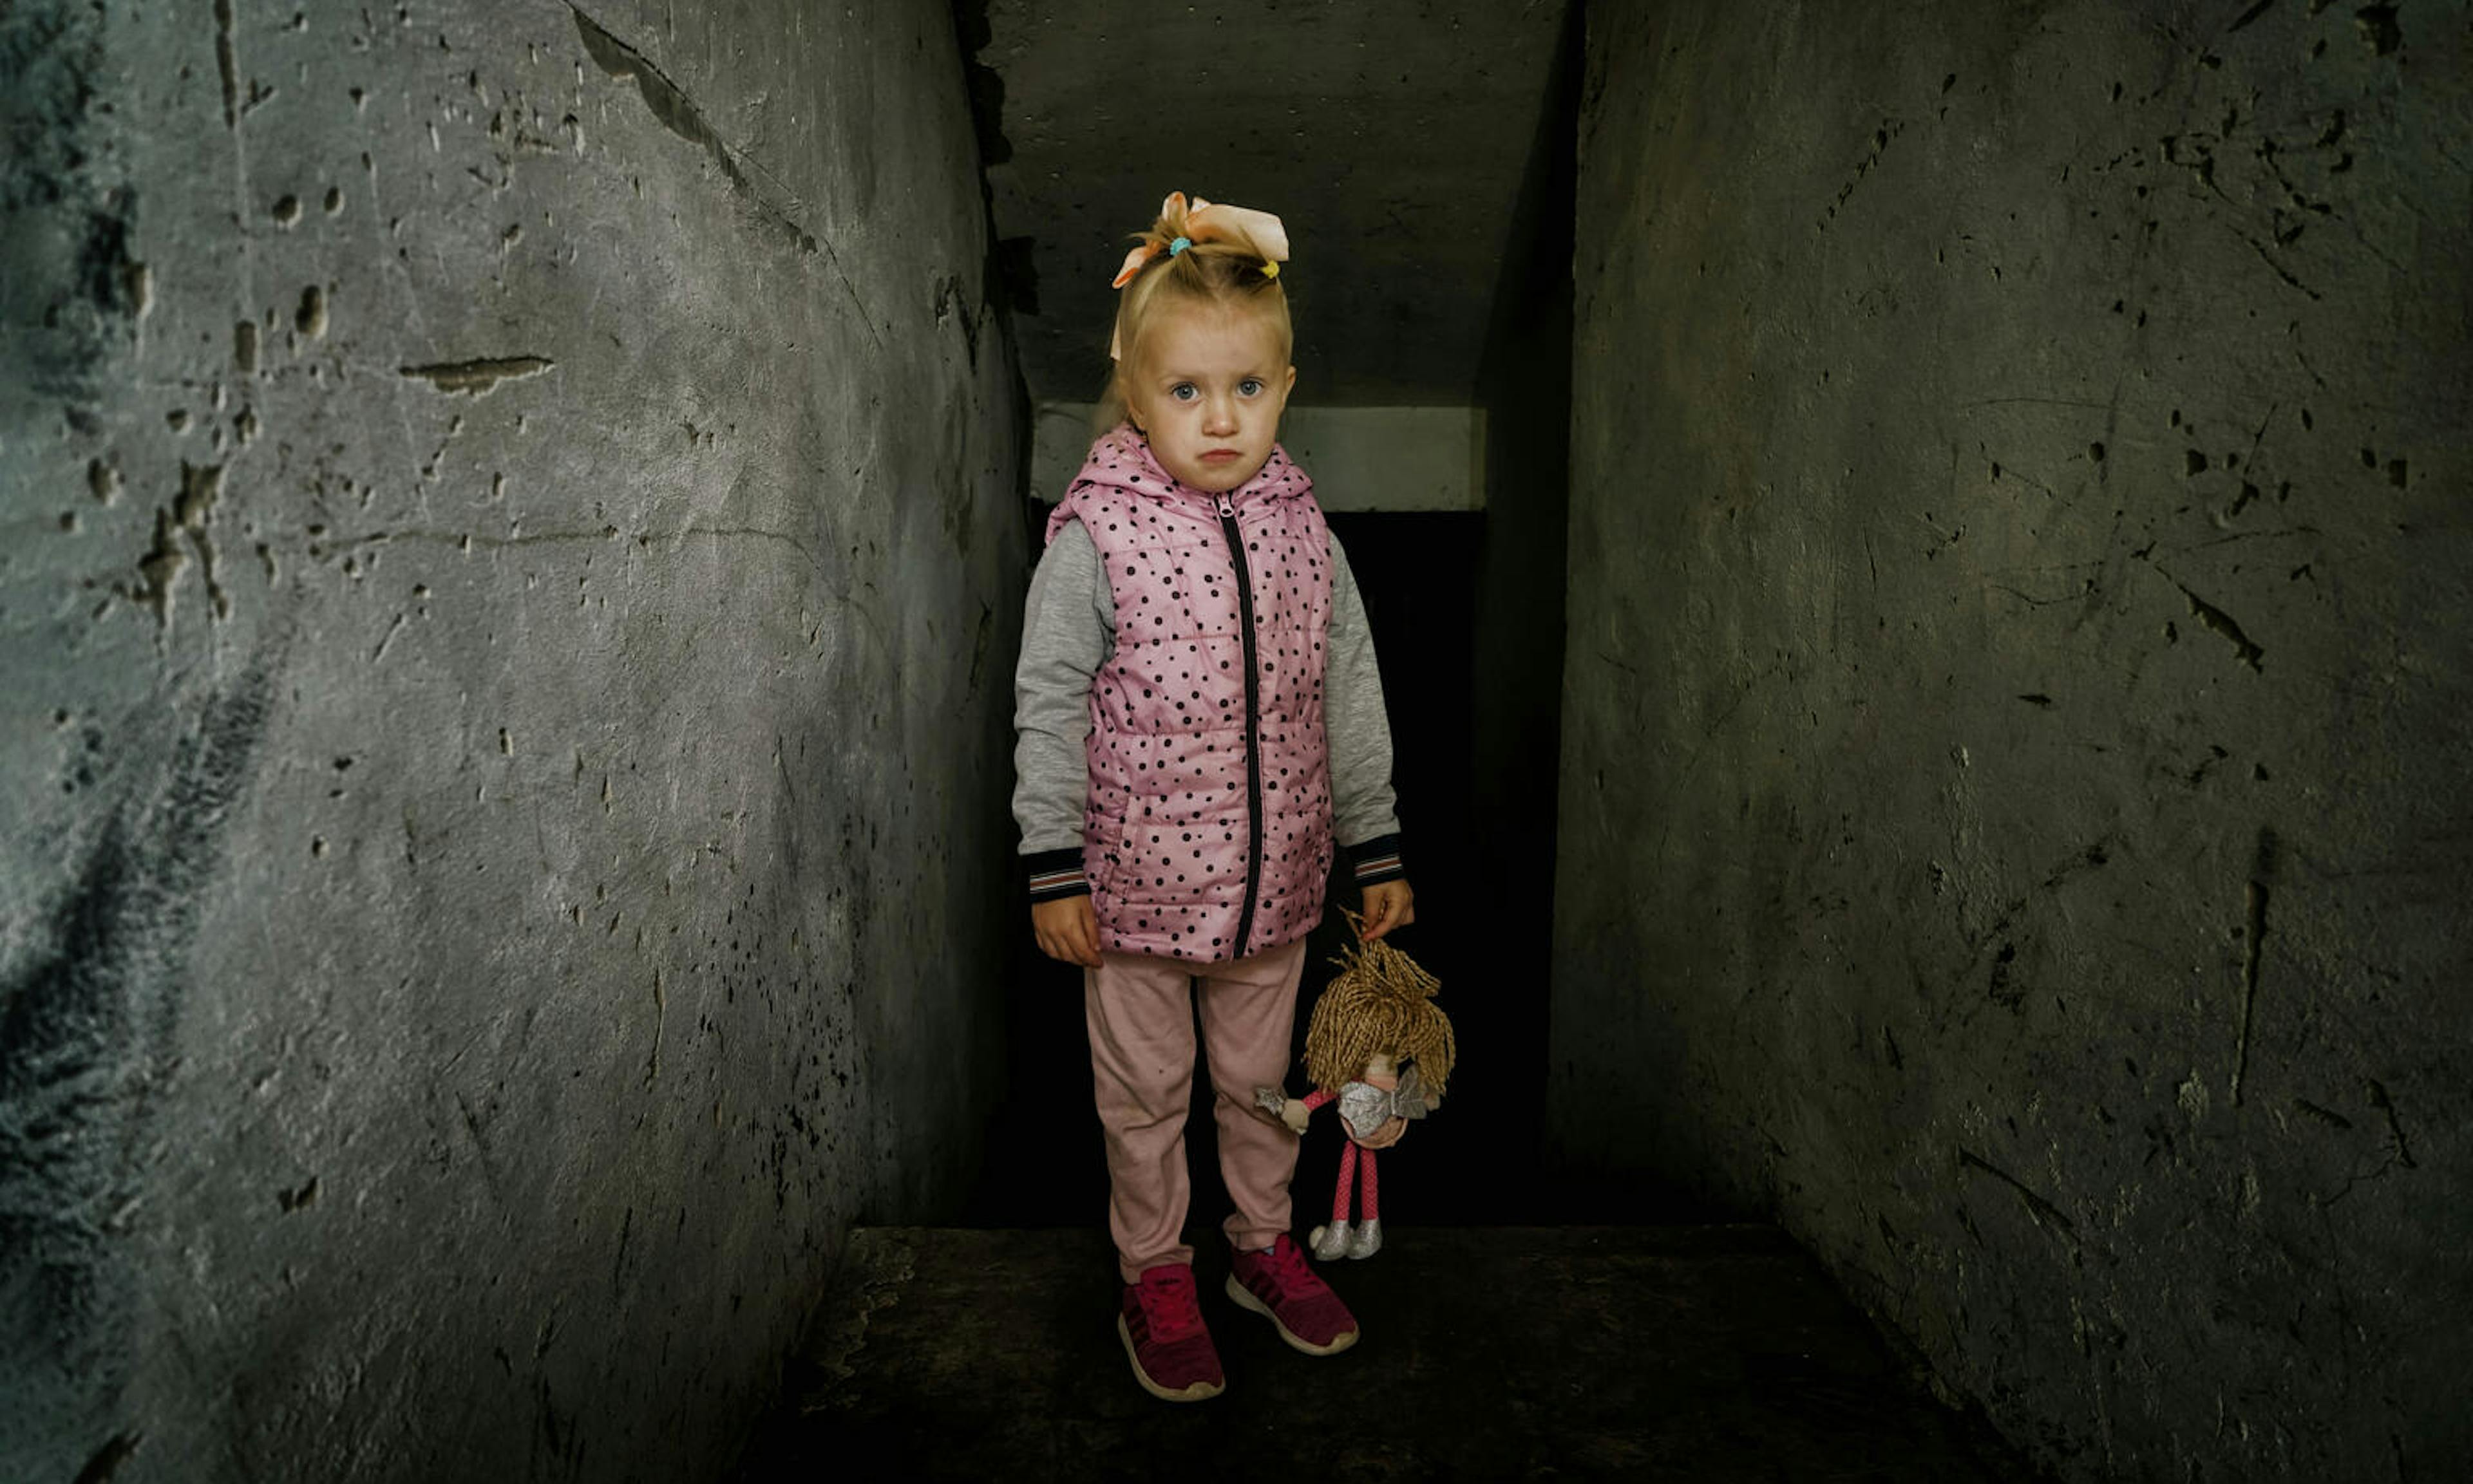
(1381, 1004)
(1229, 269)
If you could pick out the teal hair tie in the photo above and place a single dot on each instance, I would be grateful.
(1179, 246)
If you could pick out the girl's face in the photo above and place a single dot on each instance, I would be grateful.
(1206, 386)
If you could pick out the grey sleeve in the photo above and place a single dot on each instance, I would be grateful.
(1068, 629)
(1363, 807)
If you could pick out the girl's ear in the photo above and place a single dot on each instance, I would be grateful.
(1292, 385)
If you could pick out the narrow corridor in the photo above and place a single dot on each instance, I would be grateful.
(1921, 557)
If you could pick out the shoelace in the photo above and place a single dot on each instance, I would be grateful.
(1285, 1262)
(1169, 1308)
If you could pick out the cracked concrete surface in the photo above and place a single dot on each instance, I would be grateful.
(2013, 784)
(506, 509)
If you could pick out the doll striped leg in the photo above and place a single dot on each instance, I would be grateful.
(1368, 1239)
(1332, 1241)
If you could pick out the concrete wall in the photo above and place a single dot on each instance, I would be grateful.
(510, 561)
(2014, 791)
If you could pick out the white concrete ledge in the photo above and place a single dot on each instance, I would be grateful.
(1361, 458)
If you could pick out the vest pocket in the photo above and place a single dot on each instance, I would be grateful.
(1107, 840)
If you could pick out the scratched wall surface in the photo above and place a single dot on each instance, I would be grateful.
(2014, 786)
(506, 565)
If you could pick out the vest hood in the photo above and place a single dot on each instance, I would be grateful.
(1122, 459)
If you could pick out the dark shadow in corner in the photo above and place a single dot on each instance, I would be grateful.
(1524, 389)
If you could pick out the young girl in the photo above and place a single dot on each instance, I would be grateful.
(1199, 719)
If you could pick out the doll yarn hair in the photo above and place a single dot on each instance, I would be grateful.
(1381, 1004)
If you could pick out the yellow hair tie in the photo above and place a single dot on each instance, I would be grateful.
(1270, 269)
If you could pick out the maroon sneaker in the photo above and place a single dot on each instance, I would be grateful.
(1162, 1326)
(1278, 1282)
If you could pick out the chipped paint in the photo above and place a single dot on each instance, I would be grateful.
(473, 377)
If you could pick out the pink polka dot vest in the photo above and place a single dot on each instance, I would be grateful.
(1208, 832)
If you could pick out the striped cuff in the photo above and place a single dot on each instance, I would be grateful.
(1055, 874)
(1377, 861)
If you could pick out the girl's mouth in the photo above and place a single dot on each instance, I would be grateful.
(1219, 455)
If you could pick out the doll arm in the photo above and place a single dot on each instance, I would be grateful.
(1291, 1111)
(1294, 1116)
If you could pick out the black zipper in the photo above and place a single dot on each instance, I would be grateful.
(1252, 724)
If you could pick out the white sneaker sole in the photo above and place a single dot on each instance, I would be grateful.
(1199, 1391)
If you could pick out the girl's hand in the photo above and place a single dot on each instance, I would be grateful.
(1388, 904)
(1067, 929)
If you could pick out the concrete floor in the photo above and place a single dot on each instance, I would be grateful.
(1702, 1353)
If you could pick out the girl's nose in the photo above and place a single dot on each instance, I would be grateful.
(1219, 414)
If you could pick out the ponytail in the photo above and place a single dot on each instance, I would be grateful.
(1202, 252)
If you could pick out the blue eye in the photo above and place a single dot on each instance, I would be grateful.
(1251, 386)
(1184, 392)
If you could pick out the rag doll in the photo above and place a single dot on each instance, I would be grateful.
(1381, 1048)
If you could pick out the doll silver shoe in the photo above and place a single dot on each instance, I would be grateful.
(1368, 1239)
(1331, 1243)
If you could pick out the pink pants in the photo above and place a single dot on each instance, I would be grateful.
(1141, 1013)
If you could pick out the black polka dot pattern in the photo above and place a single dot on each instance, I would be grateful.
(1166, 834)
